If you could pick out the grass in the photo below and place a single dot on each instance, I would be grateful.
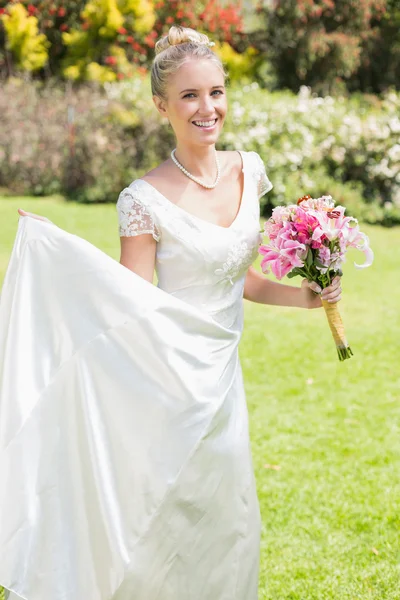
(325, 435)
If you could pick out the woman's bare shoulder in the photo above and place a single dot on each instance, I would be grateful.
(160, 172)
(163, 178)
(231, 161)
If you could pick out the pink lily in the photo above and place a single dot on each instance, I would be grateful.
(282, 256)
(273, 260)
(356, 239)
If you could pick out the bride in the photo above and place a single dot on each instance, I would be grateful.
(125, 462)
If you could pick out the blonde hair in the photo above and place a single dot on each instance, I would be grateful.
(174, 49)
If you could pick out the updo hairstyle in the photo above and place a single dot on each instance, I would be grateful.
(174, 49)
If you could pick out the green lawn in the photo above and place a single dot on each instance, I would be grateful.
(330, 430)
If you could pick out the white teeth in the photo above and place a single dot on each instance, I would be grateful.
(205, 123)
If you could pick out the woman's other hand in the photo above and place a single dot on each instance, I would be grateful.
(23, 213)
(331, 294)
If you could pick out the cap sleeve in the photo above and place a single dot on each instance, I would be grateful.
(263, 183)
(134, 217)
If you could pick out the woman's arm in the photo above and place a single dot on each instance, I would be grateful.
(258, 288)
(138, 253)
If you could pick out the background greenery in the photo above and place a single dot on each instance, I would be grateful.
(314, 89)
(347, 147)
(325, 435)
(350, 44)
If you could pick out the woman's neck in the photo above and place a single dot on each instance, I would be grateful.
(199, 160)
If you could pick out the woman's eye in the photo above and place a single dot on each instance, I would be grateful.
(191, 94)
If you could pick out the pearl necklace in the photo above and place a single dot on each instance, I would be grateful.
(196, 179)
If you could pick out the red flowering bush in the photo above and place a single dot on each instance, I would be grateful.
(223, 21)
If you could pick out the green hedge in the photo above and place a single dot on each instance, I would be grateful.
(90, 142)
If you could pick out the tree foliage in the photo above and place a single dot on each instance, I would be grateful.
(380, 63)
(327, 44)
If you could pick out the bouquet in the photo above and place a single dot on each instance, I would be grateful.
(310, 239)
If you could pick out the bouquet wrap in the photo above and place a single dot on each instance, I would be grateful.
(337, 329)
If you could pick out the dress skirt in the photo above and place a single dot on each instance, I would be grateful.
(125, 462)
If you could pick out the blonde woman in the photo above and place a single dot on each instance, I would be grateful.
(124, 448)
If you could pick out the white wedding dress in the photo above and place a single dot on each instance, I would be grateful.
(125, 463)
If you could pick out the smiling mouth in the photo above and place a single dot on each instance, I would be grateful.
(205, 124)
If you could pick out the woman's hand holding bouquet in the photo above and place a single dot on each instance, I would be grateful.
(310, 239)
(315, 294)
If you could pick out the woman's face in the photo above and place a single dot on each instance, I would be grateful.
(196, 102)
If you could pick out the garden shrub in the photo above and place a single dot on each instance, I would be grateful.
(322, 44)
(349, 148)
(110, 40)
(308, 143)
(91, 158)
(94, 52)
(27, 45)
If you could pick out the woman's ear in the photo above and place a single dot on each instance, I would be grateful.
(160, 106)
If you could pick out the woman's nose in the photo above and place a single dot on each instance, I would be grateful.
(206, 106)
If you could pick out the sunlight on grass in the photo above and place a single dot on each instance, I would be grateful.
(325, 434)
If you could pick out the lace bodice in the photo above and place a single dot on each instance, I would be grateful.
(200, 262)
